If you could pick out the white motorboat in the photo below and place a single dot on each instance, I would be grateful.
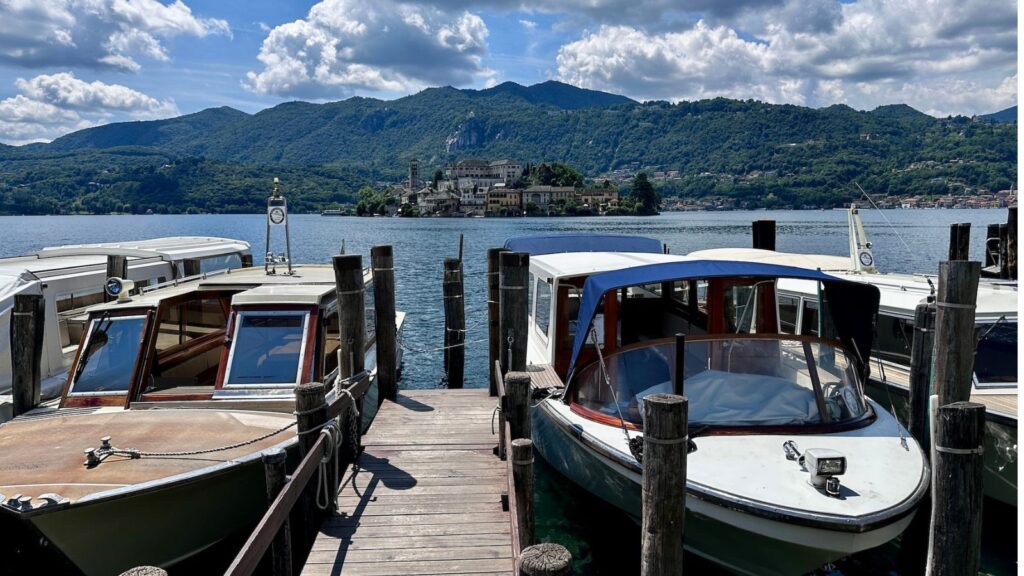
(995, 367)
(70, 279)
(603, 314)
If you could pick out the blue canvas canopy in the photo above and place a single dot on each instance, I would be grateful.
(538, 245)
(854, 324)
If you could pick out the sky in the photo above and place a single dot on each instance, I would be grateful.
(71, 64)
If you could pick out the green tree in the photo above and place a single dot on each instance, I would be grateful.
(646, 200)
(438, 176)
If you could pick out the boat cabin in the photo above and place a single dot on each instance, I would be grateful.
(606, 322)
(242, 335)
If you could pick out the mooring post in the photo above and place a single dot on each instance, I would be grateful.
(117, 267)
(310, 414)
(517, 389)
(26, 352)
(514, 286)
(954, 547)
(960, 241)
(455, 326)
(914, 542)
(190, 267)
(545, 559)
(382, 264)
(1011, 242)
(764, 234)
(664, 484)
(522, 475)
(493, 297)
(279, 556)
(954, 330)
(992, 245)
(348, 282)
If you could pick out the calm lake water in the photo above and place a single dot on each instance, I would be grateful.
(602, 541)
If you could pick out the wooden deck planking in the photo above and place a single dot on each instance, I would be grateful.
(425, 496)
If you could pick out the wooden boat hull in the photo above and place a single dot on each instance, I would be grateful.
(1000, 475)
(722, 534)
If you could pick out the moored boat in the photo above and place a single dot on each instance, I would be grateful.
(604, 313)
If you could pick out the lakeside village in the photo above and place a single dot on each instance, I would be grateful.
(486, 188)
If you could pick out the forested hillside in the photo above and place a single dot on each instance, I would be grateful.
(221, 159)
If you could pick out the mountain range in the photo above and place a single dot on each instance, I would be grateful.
(763, 154)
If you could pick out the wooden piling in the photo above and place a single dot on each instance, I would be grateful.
(279, 557)
(1011, 243)
(493, 312)
(954, 330)
(117, 267)
(386, 330)
(1004, 253)
(311, 413)
(348, 281)
(955, 542)
(522, 473)
(545, 559)
(992, 245)
(190, 267)
(455, 322)
(763, 234)
(960, 241)
(514, 285)
(26, 352)
(664, 484)
(517, 392)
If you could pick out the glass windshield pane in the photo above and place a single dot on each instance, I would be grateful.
(731, 382)
(996, 360)
(266, 349)
(543, 316)
(107, 362)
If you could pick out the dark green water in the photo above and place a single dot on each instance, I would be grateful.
(602, 540)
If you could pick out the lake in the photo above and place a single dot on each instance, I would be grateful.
(602, 541)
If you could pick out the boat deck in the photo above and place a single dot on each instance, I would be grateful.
(425, 496)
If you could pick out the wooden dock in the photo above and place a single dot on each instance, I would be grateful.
(425, 496)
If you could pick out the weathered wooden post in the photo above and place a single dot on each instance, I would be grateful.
(1011, 242)
(664, 484)
(26, 351)
(190, 267)
(455, 325)
(310, 414)
(960, 241)
(117, 267)
(517, 392)
(954, 330)
(522, 474)
(1004, 253)
(954, 547)
(348, 281)
(279, 556)
(493, 297)
(546, 559)
(382, 263)
(514, 286)
(991, 245)
(763, 234)
(914, 542)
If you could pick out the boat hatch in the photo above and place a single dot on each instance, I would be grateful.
(740, 367)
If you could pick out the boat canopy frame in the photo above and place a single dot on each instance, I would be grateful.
(854, 329)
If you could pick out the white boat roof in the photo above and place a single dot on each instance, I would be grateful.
(58, 258)
(900, 293)
(312, 294)
(585, 263)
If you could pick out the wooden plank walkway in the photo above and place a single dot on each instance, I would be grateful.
(425, 496)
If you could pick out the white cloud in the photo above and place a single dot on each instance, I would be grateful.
(95, 33)
(51, 105)
(940, 57)
(347, 45)
(528, 24)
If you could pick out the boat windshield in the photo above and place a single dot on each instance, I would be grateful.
(731, 381)
(996, 359)
(267, 348)
(107, 360)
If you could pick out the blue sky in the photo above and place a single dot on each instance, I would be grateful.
(70, 64)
